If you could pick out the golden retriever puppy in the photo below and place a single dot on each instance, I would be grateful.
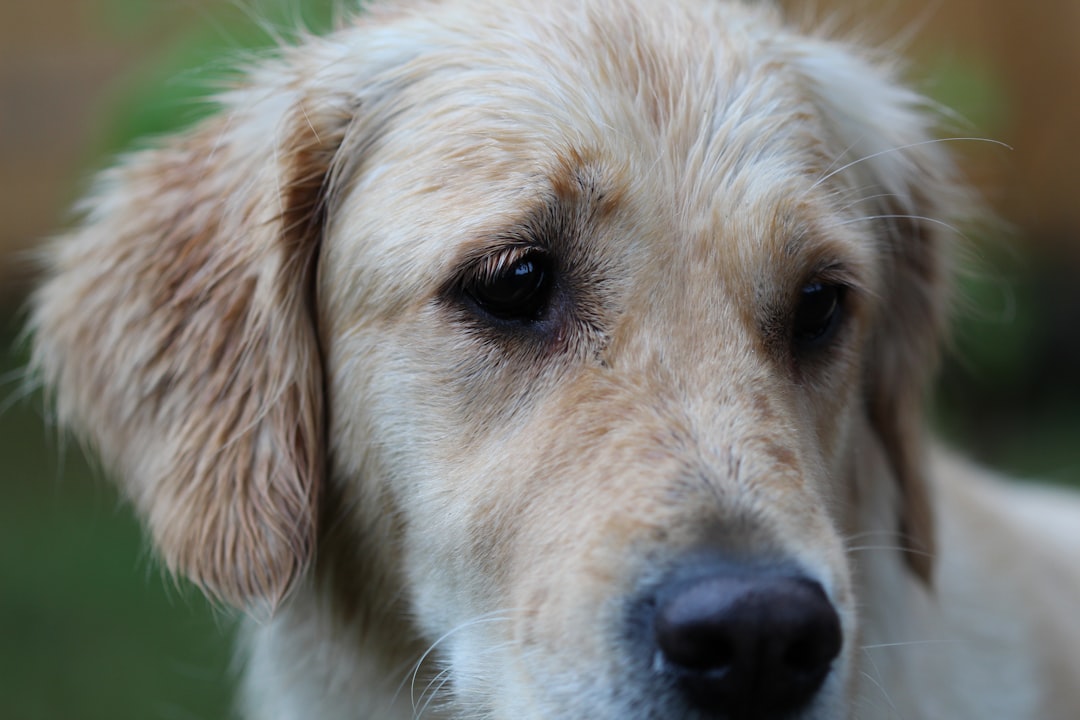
(561, 360)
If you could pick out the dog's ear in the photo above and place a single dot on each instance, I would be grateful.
(903, 181)
(175, 332)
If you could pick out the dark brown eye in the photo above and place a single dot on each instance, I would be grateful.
(514, 288)
(818, 314)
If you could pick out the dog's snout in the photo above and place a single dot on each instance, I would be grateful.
(746, 646)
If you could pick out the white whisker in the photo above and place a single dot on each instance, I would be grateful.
(434, 687)
(902, 216)
(900, 148)
(413, 676)
(908, 643)
(881, 688)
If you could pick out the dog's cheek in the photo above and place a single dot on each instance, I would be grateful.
(829, 418)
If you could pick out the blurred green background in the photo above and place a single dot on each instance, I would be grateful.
(90, 627)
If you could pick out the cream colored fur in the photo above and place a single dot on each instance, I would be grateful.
(260, 327)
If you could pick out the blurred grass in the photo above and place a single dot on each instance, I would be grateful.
(88, 627)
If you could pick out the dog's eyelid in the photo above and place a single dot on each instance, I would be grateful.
(487, 265)
(832, 273)
(481, 258)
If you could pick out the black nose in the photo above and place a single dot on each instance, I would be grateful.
(746, 646)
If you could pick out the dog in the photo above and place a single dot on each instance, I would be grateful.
(562, 360)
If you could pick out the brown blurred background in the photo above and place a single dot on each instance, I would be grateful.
(63, 66)
(87, 627)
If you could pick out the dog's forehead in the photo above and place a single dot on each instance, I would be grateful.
(711, 133)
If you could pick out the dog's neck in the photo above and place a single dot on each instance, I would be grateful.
(912, 633)
(342, 645)
(337, 649)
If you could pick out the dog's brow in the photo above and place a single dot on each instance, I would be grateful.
(582, 181)
(574, 196)
(539, 223)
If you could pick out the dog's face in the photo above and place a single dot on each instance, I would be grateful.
(573, 324)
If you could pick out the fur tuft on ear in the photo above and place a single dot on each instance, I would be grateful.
(902, 179)
(175, 332)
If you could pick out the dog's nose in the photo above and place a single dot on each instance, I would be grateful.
(746, 646)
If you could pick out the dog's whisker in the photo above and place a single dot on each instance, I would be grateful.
(433, 694)
(431, 691)
(901, 148)
(858, 199)
(877, 684)
(893, 534)
(829, 171)
(886, 548)
(901, 541)
(876, 679)
(902, 216)
(412, 677)
(892, 548)
(906, 643)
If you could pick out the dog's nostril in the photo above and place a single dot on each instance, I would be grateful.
(692, 636)
(747, 646)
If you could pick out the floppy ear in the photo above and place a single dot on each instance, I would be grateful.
(176, 332)
(906, 184)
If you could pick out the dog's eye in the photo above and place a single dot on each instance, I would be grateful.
(817, 315)
(513, 287)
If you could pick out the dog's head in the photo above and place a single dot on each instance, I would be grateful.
(571, 324)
